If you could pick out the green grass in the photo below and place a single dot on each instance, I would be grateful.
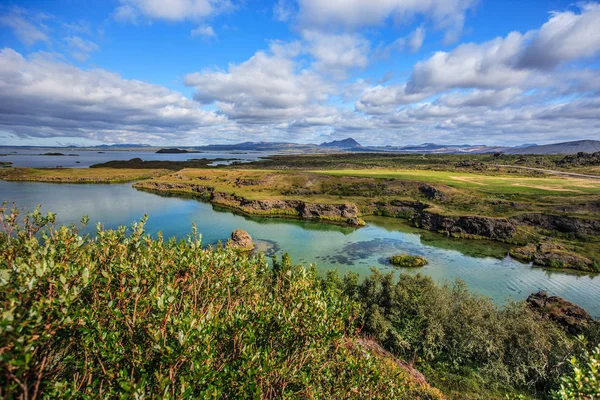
(492, 184)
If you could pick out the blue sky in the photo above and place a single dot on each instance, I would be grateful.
(190, 72)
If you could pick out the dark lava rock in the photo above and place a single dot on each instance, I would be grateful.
(560, 223)
(433, 193)
(240, 240)
(493, 228)
(571, 317)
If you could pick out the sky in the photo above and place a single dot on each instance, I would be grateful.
(384, 72)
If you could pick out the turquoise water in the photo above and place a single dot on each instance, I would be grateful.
(484, 266)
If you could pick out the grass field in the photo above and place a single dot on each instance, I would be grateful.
(493, 184)
(79, 175)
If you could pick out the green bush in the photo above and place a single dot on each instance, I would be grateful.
(125, 315)
(584, 381)
(462, 341)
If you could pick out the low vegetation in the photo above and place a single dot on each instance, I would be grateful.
(584, 382)
(79, 175)
(407, 261)
(122, 314)
(465, 344)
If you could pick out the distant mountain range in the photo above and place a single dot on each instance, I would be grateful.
(351, 145)
(585, 146)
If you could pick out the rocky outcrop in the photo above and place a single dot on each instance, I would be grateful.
(433, 193)
(420, 214)
(560, 223)
(571, 317)
(345, 212)
(488, 227)
(240, 240)
(553, 255)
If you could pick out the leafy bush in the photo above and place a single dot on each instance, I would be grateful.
(125, 315)
(584, 381)
(462, 341)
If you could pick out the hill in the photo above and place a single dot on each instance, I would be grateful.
(578, 146)
(347, 143)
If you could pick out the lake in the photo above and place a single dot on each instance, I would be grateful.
(483, 265)
(77, 158)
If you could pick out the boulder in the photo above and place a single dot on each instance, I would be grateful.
(240, 240)
(433, 193)
(571, 317)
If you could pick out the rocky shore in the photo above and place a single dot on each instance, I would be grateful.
(342, 213)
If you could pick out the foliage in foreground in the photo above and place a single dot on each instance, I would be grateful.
(463, 342)
(584, 382)
(125, 315)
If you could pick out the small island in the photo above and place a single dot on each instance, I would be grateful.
(172, 151)
(58, 154)
(407, 261)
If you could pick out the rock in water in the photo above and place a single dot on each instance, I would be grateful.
(568, 315)
(241, 240)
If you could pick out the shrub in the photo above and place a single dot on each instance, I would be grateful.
(584, 381)
(126, 315)
(462, 341)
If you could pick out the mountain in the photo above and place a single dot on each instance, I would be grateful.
(348, 143)
(585, 146)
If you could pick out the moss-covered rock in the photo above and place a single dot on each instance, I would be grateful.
(552, 255)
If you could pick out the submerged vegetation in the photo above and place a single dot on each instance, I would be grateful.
(407, 261)
(124, 314)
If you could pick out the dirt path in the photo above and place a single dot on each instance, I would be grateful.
(548, 171)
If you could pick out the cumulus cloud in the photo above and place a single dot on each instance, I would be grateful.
(517, 60)
(44, 97)
(566, 36)
(335, 53)
(448, 15)
(267, 88)
(172, 10)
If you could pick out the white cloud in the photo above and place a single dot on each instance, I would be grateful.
(335, 53)
(44, 97)
(205, 31)
(448, 15)
(517, 60)
(81, 48)
(23, 27)
(266, 88)
(283, 10)
(566, 36)
(172, 10)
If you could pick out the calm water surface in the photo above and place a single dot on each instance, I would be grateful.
(77, 158)
(482, 265)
